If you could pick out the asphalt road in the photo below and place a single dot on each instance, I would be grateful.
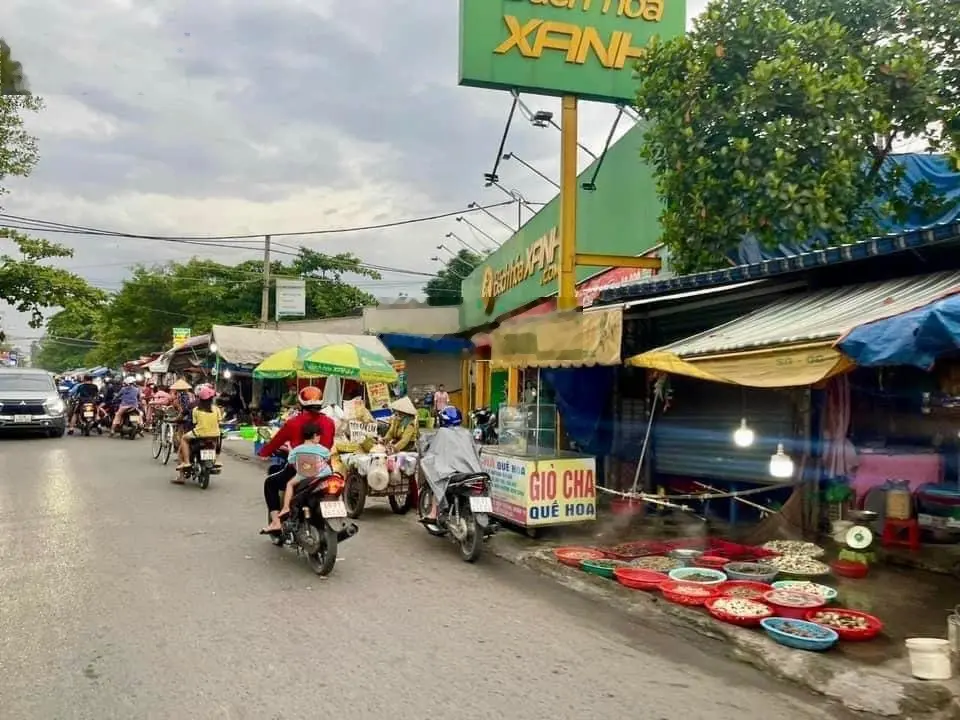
(124, 596)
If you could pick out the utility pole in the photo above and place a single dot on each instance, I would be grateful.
(265, 297)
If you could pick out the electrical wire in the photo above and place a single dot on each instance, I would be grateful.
(204, 238)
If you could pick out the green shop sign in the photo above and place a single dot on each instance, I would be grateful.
(562, 47)
(620, 217)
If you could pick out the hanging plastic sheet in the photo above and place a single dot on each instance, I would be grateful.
(582, 396)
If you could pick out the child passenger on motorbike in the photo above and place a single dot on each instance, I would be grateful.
(311, 460)
(205, 419)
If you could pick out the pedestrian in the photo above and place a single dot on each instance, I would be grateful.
(440, 399)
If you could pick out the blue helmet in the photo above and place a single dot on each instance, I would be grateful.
(450, 417)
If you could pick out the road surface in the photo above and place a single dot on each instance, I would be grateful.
(124, 597)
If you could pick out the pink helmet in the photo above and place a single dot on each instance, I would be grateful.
(205, 392)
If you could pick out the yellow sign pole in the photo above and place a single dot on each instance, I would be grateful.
(567, 296)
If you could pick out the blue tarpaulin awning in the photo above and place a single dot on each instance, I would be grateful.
(425, 344)
(917, 337)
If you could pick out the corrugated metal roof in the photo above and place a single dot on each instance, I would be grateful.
(825, 315)
(874, 247)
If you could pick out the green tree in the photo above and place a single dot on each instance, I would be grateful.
(775, 119)
(25, 282)
(12, 79)
(139, 319)
(70, 337)
(444, 289)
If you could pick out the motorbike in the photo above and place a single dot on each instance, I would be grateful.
(484, 426)
(131, 424)
(457, 489)
(87, 420)
(317, 521)
(203, 457)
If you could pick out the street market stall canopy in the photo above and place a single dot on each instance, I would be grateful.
(793, 342)
(559, 340)
(250, 347)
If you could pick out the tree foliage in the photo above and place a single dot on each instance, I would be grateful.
(444, 289)
(13, 81)
(140, 317)
(70, 337)
(775, 118)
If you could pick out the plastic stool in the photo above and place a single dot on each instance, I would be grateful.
(893, 534)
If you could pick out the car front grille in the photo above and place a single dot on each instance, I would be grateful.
(22, 407)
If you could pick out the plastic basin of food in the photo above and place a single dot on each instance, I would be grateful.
(792, 604)
(700, 576)
(752, 572)
(849, 569)
(850, 625)
(573, 556)
(738, 611)
(800, 634)
(633, 550)
(744, 589)
(638, 579)
(684, 593)
(810, 588)
(603, 567)
(712, 562)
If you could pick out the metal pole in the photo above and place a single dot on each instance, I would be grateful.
(567, 295)
(265, 296)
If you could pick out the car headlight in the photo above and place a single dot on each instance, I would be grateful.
(54, 406)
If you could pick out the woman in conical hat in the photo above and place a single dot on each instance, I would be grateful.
(404, 427)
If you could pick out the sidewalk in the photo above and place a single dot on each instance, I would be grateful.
(869, 677)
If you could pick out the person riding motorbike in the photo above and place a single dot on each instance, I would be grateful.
(309, 460)
(451, 422)
(292, 433)
(129, 399)
(83, 392)
(205, 419)
(404, 426)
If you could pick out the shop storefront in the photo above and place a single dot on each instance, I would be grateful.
(537, 480)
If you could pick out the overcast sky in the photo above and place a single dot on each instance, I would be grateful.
(182, 117)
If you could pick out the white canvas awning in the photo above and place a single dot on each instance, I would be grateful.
(250, 346)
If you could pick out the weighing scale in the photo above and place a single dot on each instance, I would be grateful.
(860, 539)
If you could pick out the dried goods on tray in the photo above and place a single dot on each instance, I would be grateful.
(799, 565)
(794, 547)
(655, 562)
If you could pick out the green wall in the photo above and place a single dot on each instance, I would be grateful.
(619, 217)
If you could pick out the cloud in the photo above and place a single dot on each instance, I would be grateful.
(254, 116)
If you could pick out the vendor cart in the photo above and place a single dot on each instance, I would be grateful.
(378, 474)
(532, 484)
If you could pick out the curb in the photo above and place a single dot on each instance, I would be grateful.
(885, 691)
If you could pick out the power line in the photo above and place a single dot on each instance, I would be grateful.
(205, 238)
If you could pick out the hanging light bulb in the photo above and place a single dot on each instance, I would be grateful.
(227, 374)
(743, 435)
(213, 347)
(781, 466)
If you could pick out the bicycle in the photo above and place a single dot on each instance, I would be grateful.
(163, 437)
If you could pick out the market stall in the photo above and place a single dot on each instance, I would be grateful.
(535, 480)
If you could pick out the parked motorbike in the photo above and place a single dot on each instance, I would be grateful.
(317, 520)
(455, 478)
(484, 426)
(131, 424)
(87, 421)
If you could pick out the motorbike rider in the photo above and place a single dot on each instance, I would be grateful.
(86, 391)
(205, 419)
(309, 460)
(129, 399)
(451, 422)
(310, 400)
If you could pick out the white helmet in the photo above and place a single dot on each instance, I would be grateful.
(129, 380)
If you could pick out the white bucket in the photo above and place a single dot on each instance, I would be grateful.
(929, 658)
